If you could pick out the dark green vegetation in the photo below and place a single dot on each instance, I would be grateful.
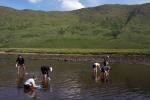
(107, 27)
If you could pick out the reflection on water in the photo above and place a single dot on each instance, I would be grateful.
(20, 82)
(72, 81)
(32, 94)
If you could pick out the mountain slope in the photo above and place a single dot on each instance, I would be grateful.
(106, 26)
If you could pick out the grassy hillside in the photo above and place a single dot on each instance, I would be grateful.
(107, 26)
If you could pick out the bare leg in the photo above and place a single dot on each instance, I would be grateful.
(18, 71)
(20, 76)
(106, 76)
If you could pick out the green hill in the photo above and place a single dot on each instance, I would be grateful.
(106, 26)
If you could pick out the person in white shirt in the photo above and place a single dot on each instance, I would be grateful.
(30, 85)
(95, 67)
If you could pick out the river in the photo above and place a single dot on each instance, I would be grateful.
(73, 81)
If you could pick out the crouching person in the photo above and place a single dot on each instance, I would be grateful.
(29, 85)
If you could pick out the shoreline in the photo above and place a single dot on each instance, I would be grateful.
(114, 58)
(130, 59)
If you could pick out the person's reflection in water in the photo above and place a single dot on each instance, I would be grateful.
(96, 77)
(20, 82)
(47, 85)
(20, 79)
(31, 94)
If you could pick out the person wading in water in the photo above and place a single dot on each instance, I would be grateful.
(20, 70)
(46, 70)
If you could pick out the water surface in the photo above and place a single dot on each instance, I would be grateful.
(73, 81)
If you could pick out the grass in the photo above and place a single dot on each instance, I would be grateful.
(133, 41)
(93, 30)
(77, 51)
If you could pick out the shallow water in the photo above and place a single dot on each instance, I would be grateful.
(73, 81)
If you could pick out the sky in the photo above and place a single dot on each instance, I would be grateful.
(63, 5)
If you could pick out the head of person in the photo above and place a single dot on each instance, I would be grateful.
(19, 56)
(34, 77)
(107, 56)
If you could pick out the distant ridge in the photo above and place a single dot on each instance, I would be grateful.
(124, 26)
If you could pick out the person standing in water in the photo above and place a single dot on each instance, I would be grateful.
(105, 69)
(20, 66)
(106, 61)
(95, 68)
(46, 70)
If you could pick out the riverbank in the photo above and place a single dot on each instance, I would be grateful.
(76, 51)
(136, 56)
(130, 59)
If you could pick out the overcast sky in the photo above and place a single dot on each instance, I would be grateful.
(63, 5)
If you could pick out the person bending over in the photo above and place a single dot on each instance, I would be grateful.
(30, 85)
(95, 67)
(46, 72)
